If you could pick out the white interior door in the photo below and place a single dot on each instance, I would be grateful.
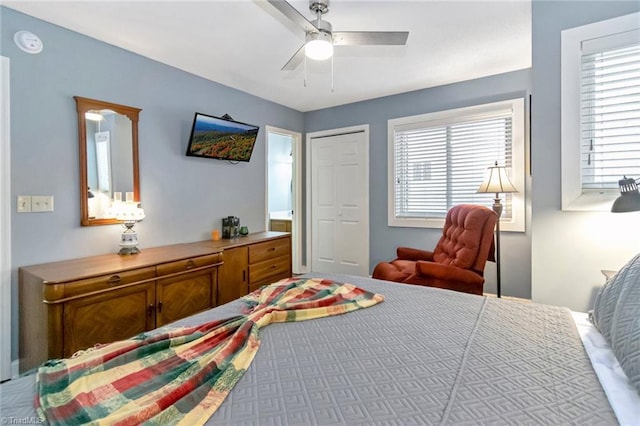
(340, 203)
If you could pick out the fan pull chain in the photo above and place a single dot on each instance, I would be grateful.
(332, 73)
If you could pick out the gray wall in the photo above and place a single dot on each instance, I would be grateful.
(184, 198)
(515, 253)
(568, 248)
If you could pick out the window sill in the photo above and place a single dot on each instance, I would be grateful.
(594, 202)
(505, 225)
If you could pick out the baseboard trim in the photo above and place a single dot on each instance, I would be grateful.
(15, 368)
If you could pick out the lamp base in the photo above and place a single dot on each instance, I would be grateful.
(497, 207)
(128, 250)
(129, 240)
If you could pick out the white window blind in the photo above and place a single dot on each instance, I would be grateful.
(439, 164)
(609, 116)
(599, 114)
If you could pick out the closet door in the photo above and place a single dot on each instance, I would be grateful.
(340, 204)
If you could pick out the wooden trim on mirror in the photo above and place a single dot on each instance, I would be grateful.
(84, 105)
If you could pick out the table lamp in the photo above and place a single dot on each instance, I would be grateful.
(129, 213)
(497, 181)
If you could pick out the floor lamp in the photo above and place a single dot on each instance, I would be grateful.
(497, 181)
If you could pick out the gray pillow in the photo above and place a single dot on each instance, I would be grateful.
(616, 314)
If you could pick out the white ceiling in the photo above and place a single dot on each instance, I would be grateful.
(244, 43)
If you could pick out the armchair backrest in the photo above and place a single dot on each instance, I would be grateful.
(467, 237)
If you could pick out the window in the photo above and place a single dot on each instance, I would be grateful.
(438, 160)
(600, 112)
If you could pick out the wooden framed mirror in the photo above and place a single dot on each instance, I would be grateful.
(108, 148)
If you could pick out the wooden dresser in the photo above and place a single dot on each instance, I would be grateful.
(72, 305)
(252, 261)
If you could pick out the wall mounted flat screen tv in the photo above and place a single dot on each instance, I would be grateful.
(221, 138)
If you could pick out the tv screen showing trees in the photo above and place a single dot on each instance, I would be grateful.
(221, 138)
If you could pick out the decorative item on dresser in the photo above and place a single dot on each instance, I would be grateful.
(72, 305)
(129, 213)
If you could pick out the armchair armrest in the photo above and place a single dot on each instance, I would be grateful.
(408, 253)
(442, 272)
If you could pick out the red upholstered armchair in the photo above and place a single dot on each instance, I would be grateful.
(457, 262)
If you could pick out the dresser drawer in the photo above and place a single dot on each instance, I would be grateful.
(188, 264)
(268, 271)
(89, 285)
(268, 250)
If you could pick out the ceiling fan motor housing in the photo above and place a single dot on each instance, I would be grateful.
(321, 6)
(323, 27)
(320, 35)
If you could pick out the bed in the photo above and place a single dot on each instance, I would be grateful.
(423, 356)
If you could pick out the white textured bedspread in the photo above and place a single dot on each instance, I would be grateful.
(423, 356)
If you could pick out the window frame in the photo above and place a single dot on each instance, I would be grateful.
(446, 117)
(574, 198)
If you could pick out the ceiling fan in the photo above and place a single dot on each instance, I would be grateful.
(320, 37)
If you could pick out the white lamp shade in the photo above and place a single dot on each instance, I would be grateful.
(319, 46)
(126, 211)
(496, 180)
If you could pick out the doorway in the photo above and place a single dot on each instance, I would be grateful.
(338, 200)
(283, 188)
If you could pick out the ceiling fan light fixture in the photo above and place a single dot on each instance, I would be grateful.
(319, 46)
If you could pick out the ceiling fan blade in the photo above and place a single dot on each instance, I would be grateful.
(353, 38)
(295, 60)
(292, 13)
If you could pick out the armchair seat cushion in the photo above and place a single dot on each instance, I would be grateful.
(397, 270)
(446, 276)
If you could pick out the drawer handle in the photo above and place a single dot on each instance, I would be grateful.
(271, 249)
(159, 307)
(150, 310)
(191, 264)
(273, 266)
(114, 279)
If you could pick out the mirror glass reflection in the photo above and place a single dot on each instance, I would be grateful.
(108, 158)
(108, 146)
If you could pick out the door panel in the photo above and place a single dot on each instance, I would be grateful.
(326, 246)
(339, 204)
(233, 281)
(108, 317)
(183, 295)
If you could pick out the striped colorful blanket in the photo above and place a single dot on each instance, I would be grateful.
(181, 375)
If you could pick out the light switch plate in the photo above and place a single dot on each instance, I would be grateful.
(24, 203)
(42, 203)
